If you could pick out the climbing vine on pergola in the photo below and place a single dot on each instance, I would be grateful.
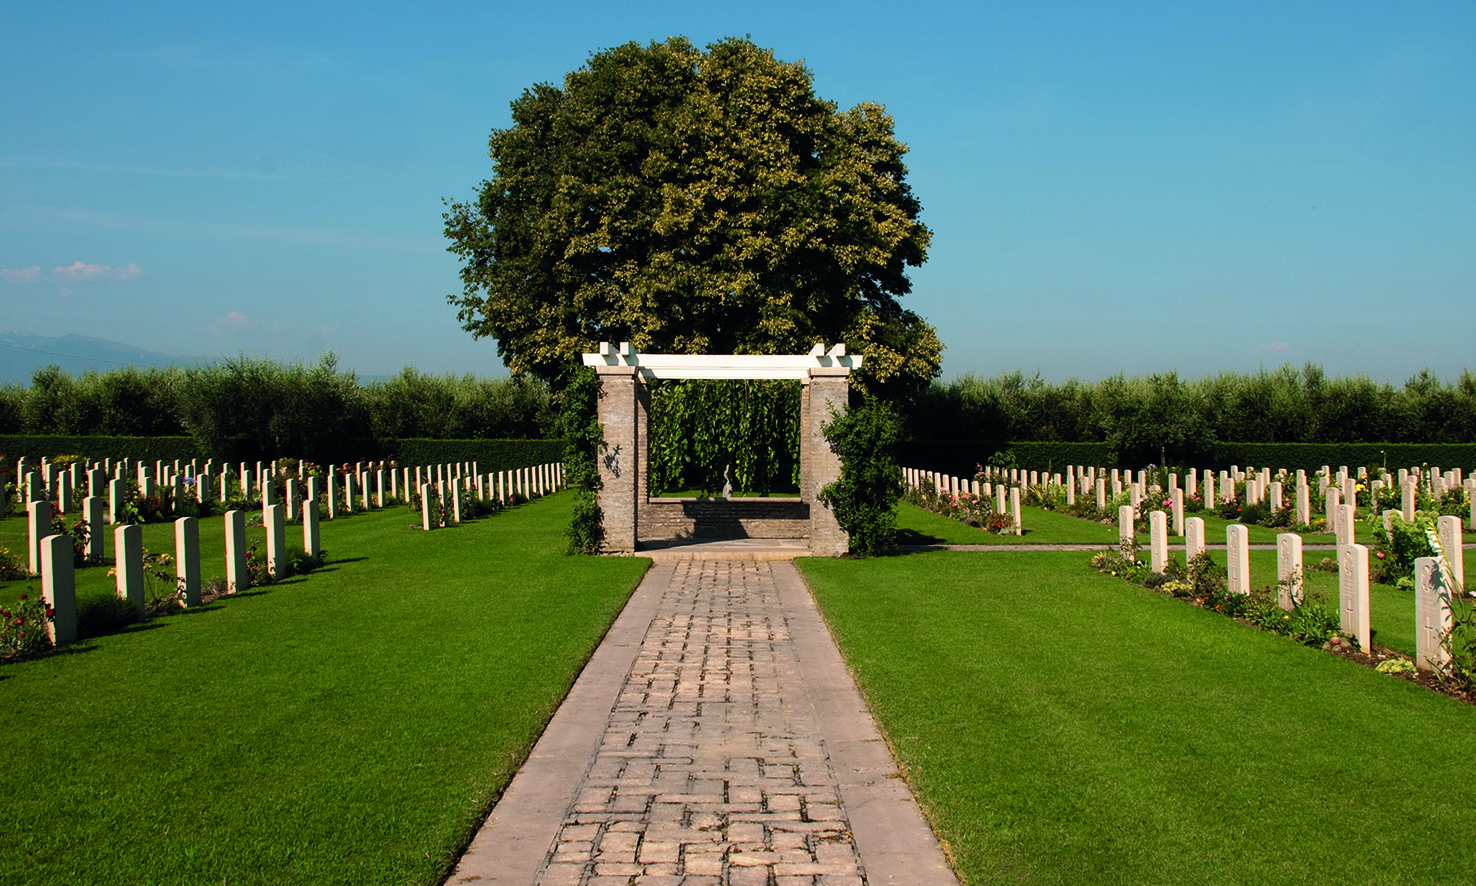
(698, 427)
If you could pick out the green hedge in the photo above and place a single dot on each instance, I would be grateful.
(490, 455)
(1312, 456)
(961, 457)
(14, 446)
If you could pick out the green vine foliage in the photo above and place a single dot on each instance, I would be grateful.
(697, 428)
(584, 438)
(865, 496)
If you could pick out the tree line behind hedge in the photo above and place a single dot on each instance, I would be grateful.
(268, 409)
(1162, 416)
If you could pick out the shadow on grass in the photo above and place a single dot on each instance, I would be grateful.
(913, 537)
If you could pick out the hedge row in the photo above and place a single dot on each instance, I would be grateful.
(962, 457)
(490, 455)
(36, 446)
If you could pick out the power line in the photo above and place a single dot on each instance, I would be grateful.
(60, 354)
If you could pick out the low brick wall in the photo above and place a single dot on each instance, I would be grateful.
(723, 518)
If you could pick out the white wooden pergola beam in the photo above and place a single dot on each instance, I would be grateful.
(737, 366)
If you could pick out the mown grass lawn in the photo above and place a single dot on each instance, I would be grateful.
(351, 726)
(918, 526)
(1062, 726)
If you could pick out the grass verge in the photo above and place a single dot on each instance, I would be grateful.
(1062, 726)
(918, 526)
(352, 726)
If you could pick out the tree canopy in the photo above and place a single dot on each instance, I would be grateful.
(694, 202)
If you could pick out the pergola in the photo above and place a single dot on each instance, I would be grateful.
(624, 409)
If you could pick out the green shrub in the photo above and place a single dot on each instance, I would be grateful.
(864, 497)
(23, 627)
(584, 437)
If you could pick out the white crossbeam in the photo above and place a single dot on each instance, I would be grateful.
(729, 366)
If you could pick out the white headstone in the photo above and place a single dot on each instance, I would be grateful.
(238, 578)
(1126, 535)
(312, 537)
(1237, 558)
(1158, 540)
(1433, 620)
(276, 539)
(1015, 510)
(117, 493)
(1448, 530)
(1193, 538)
(93, 509)
(1289, 570)
(1353, 594)
(1177, 504)
(187, 558)
(129, 572)
(38, 527)
(427, 518)
(59, 588)
(1346, 525)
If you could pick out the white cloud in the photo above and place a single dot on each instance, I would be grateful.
(1273, 346)
(23, 275)
(80, 271)
(237, 322)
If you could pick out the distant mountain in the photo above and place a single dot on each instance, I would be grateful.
(22, 353)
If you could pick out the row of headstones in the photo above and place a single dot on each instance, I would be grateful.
(200, 480)
(1006, 494)
(1436, 578)
(58, 578)
(500, 486)
(1338, 488)
(52, 555)
(369, 489)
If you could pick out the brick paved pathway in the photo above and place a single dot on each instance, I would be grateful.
(715, 738)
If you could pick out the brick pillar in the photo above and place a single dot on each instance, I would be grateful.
(828, 386)
(621, 414)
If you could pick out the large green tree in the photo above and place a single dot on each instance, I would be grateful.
(694, 202)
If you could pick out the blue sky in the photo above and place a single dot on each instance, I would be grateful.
(1112, 187)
